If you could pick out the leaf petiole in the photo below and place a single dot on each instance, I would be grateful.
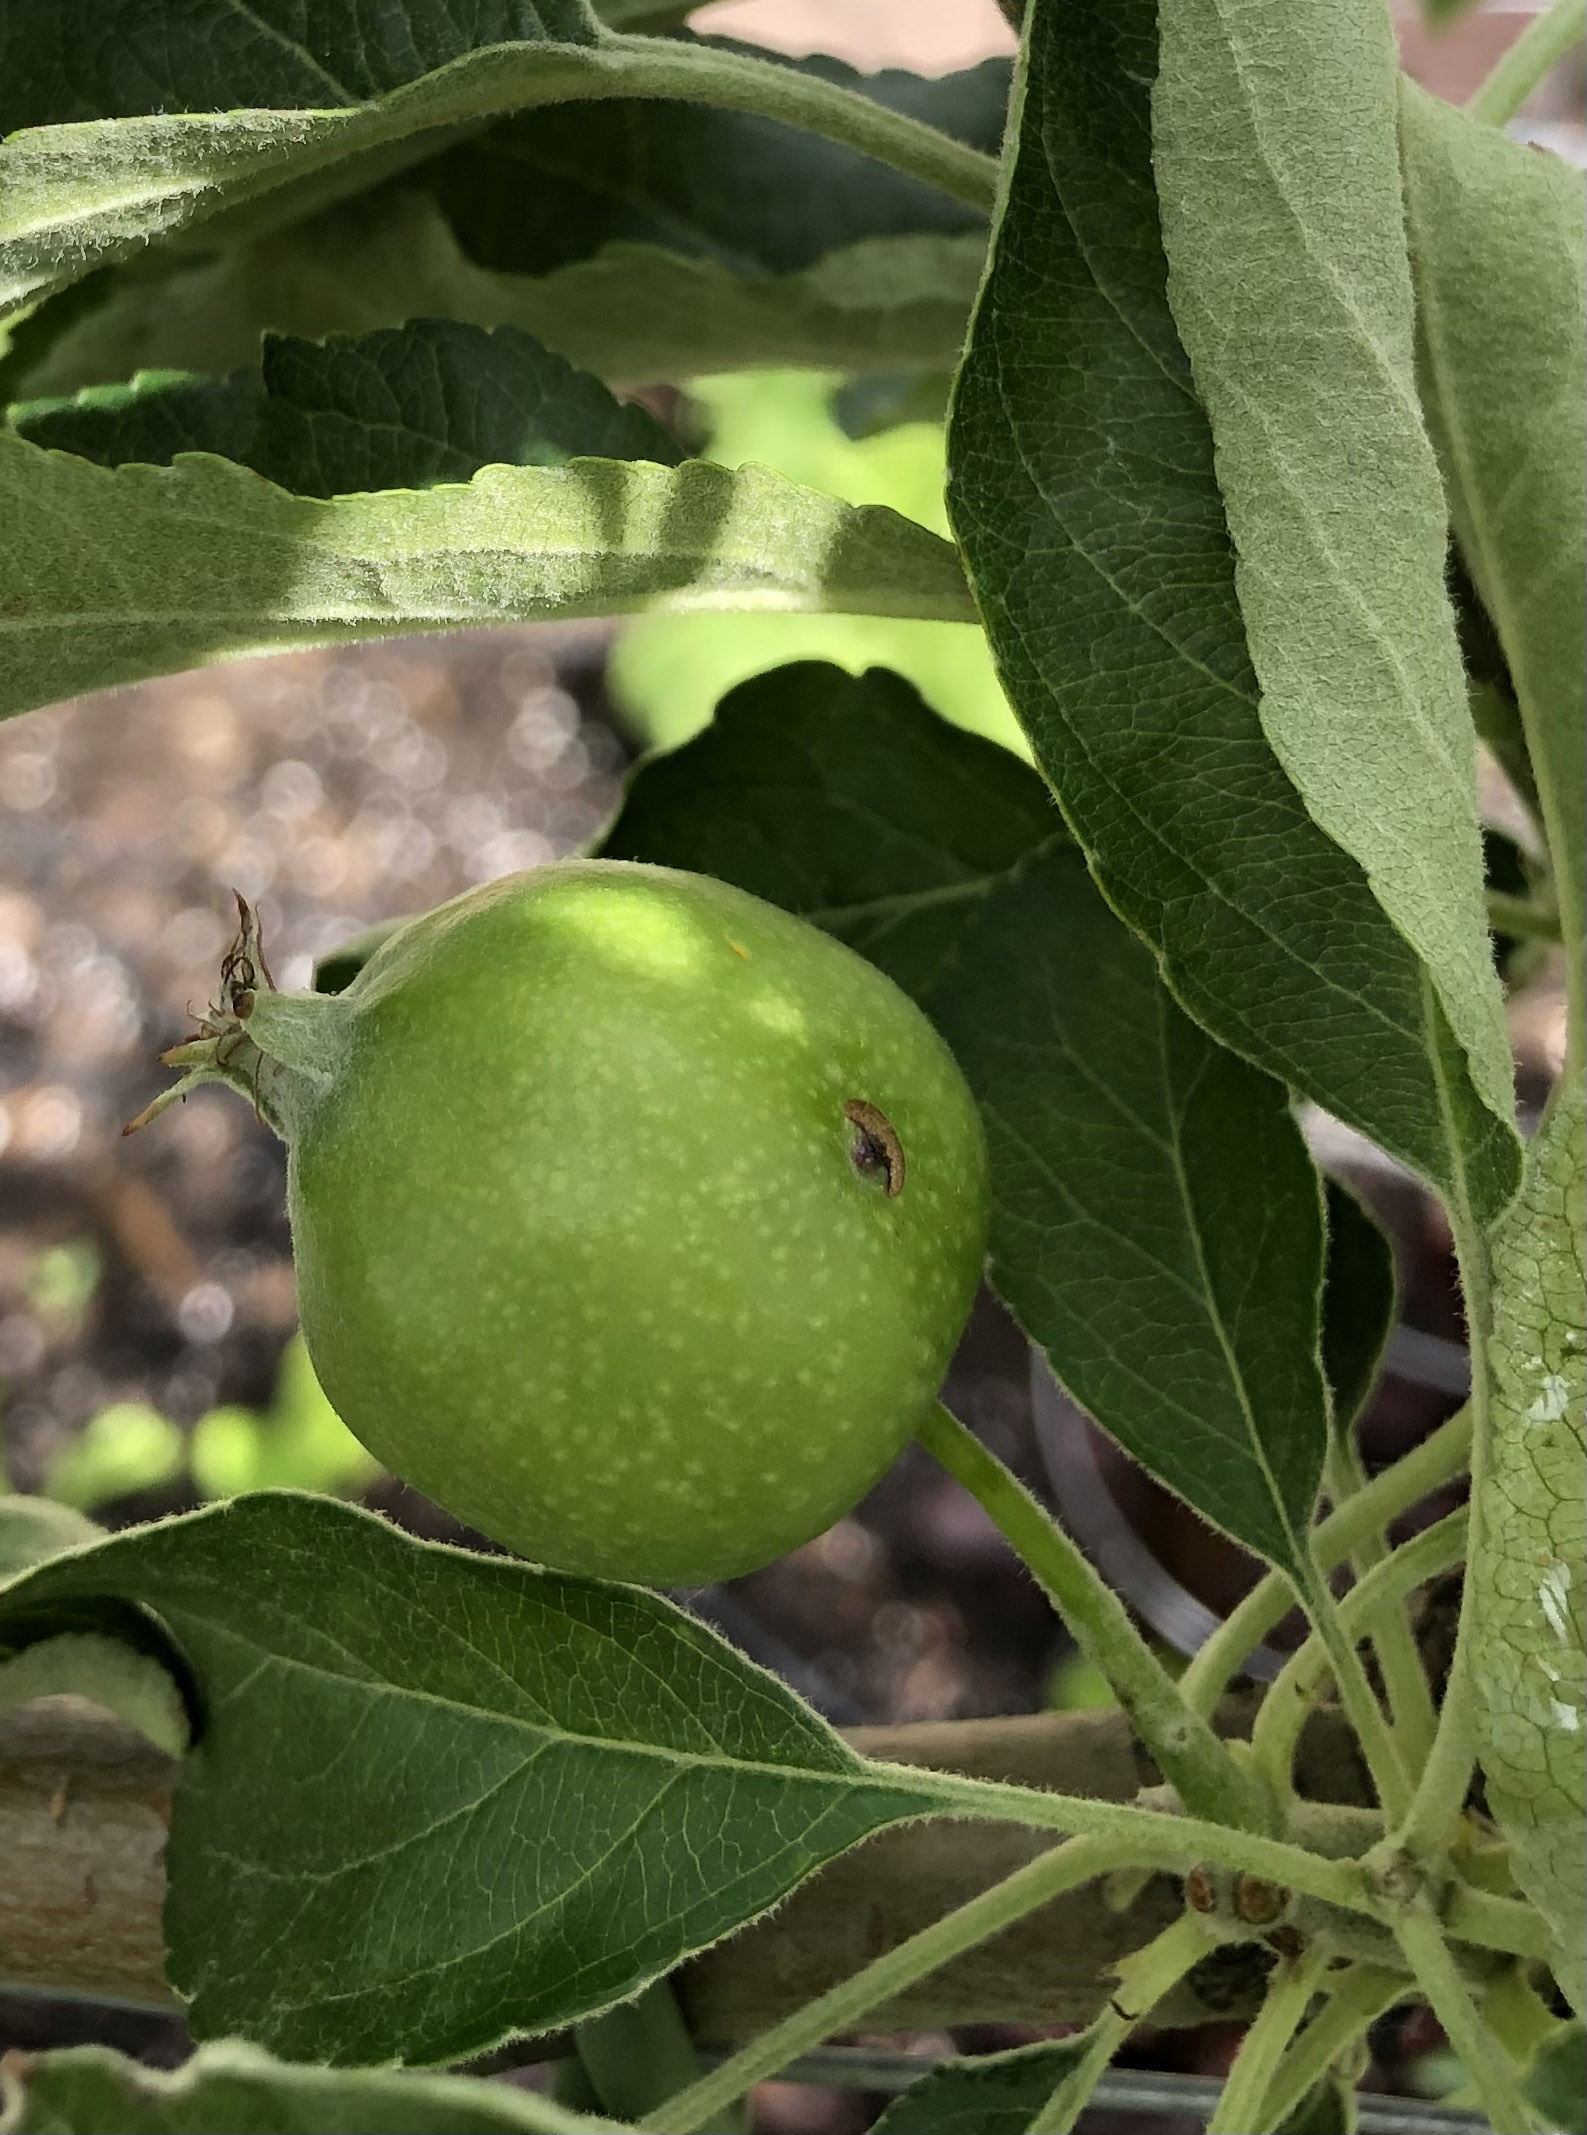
(1536, 52)
(1410, 1696)
(1143, 1980)
(1355, 1998)
(1523, 916)
(1438, 1459)
(1264, 2044)
(841, 2007)
(1208, 1778)
(1485, 2063)
(1288, 1701)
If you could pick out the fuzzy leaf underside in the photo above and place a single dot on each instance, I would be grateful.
(437, 1798)
(111, 575)
(231, 2088)
(1083, 490)
(1496, 230)
(631, 313)
(81, 195)
(1529, 1574)
(405, 408)
(1157, 1224)
(1276, 146)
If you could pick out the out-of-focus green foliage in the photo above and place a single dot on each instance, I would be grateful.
(670, 670)
(298, 1443)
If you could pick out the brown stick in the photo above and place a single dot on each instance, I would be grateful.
(85, 1804)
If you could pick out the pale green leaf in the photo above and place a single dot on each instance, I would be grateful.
(1083, 491)
(77, 196)
(1496, 232)
(440, 1798)
(86, 1664)
(34, 1528)
(1276, 148)
(1529, 1572)
(110, 575)
(631, 313)
(232, 2088)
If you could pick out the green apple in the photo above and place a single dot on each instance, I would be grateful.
(635, 1221)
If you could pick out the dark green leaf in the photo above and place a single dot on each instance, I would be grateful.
(992, 2094)
(1156, 1217)
(432, 401)
(439, 1798)
(1557, 2080)
(65, 60)
(336, 970)
(1083, 490)
(547, 188)
(1157, 1222)
(233, 2089)
(1360, 1300)
(845, 799)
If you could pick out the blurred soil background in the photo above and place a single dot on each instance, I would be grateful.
(146, 1293)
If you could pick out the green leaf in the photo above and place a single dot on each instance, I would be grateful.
(231, 2088)
(80, 195)
(432, 401)
(865, 406)
(1529, 1569)
(62, 60)
(548, 188)
(1496, 242)
(632, 313)
(440, 1798)
(845, 799)
(989, 2094)
(126, 1447)
(1156, 1217)
(1157, 1222)
(1276, 146)
(1557, 2080)
(33, 1529)
(114, 574)
(1084, 494)
(125, 1681)
(1360, 1302)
